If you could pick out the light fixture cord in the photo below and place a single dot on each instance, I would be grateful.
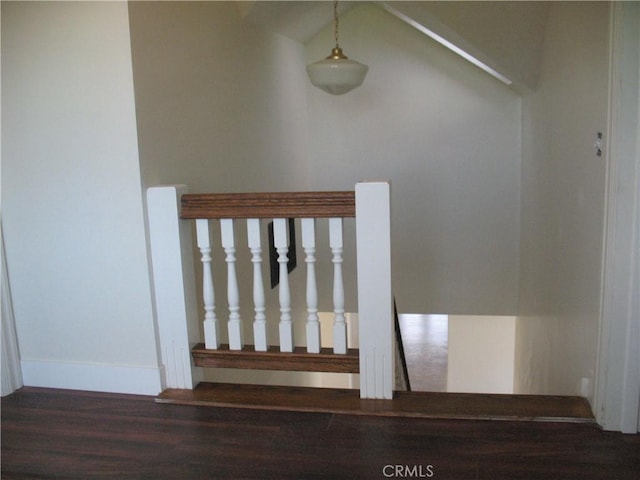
(335, 20)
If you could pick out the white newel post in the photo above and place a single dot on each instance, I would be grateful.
(174, 285)
(281, 242)
(375, 298)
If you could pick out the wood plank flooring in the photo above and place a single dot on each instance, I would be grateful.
(49, 434)
(426, 342)
(404, 404)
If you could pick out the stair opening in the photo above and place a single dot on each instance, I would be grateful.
(460, 353)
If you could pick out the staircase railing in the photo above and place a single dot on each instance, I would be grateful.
(171, 208)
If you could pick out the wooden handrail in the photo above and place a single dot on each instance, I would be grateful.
(269, 205)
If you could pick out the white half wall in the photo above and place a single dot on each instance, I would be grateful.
(481, 354)
(72, 198)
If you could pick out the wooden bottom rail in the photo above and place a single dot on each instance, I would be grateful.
(274, 359)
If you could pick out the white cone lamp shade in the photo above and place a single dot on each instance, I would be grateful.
(336, 74)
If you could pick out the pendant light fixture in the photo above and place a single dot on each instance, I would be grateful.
(337, 74)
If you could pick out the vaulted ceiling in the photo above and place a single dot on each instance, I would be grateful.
(507, 36)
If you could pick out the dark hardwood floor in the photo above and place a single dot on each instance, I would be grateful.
(49, 434)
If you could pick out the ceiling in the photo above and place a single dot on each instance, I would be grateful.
(299, 21)
(507, 36)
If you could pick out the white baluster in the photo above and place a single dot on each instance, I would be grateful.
(339, 324)
(233, 296)
(211, 333)
(259, 323)
(309, 245)
(281, 241)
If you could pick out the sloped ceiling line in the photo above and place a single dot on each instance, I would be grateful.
(504, 36)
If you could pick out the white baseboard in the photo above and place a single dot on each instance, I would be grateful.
(92, 377)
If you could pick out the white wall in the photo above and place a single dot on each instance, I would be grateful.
(563, 185)
(72, 198)
(481, 351)
(221, 105)
(447, 135)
